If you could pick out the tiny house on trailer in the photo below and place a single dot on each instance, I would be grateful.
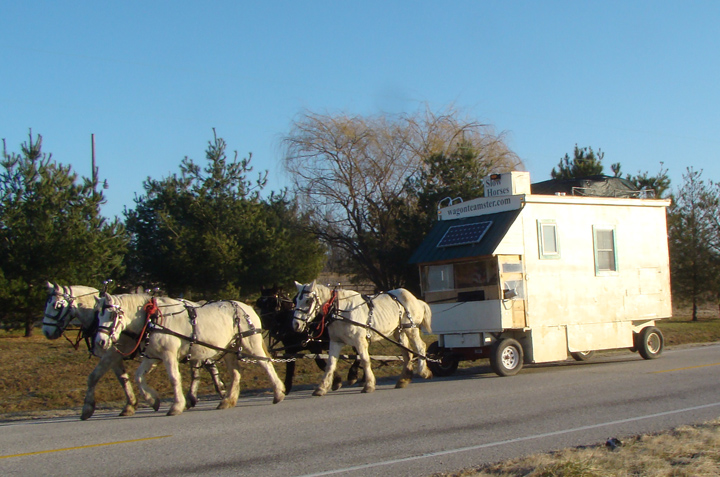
(530, 274)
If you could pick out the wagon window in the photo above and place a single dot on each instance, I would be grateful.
(604, 242)
(548, 244)
(440, 277)
(474, 274)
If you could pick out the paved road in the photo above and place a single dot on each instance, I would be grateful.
(438, 425)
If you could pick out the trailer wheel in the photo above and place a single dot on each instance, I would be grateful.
(649, 342)
(448, 362)
(507, 357)
(583, 355)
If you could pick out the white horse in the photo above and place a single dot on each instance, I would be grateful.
(356, 320)
(178, 331)
(75, 303)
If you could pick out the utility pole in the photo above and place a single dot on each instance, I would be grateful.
(94, 169)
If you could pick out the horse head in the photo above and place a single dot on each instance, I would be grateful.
(58, 312)
(111, 321)
(64, 304)
(307, 305)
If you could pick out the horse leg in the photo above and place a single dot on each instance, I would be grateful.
(407, 370)
(257, 347)
(364, 354)
(191, 396)
(106, 361)
(337, 378)
(419, 345)
(231, 395)
(331, 365)
(173, 370)
(147, 392)
(353, 373)
(124, 379)
(211, 368)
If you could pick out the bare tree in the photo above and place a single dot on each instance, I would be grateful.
(353, 173)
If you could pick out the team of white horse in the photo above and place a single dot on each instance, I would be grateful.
(170, 331)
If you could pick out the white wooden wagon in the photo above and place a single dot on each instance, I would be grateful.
(569, 269)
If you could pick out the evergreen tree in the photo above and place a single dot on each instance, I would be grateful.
(660, 183)
(50, 230)
(583, 163)
(690, 238)
(206, 234)
(458, 173)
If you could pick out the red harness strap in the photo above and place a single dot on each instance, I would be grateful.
(327, 307)
(326, 311)
(151, 308)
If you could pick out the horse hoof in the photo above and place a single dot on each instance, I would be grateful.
(402, 383)
(87, 412)
(427, 375)
(128, 411)
(368, 389)
(190, 401)
(319, 392)
(174, 411)
(278, 398)
(352, 382)
(226, 404)
(156, 405)
(337, 385)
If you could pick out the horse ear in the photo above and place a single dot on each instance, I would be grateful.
(50, 287)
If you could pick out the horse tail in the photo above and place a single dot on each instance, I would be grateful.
(427, 319)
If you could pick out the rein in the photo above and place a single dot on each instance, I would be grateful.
(370, 328)
(153, 325)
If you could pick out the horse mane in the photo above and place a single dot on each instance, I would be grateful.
(129, 302)
(325, 292)
(84, 296)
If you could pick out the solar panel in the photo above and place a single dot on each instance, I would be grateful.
(464, 234)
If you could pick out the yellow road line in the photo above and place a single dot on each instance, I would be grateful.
(683, 369)
(83, 447)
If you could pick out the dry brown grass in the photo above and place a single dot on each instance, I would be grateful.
(688, 451)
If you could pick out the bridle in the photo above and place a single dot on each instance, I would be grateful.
(62, 318)
(64, 314)
(118, 319)
(307, 315)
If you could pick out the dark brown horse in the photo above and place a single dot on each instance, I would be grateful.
(276, 310)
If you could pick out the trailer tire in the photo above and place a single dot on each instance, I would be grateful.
(448, 362)
(650, 342)
(507, 357)
(582, 355)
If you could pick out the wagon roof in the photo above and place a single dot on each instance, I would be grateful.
(594, 186)
(429, 251)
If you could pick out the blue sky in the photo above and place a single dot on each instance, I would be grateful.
(151, 79)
